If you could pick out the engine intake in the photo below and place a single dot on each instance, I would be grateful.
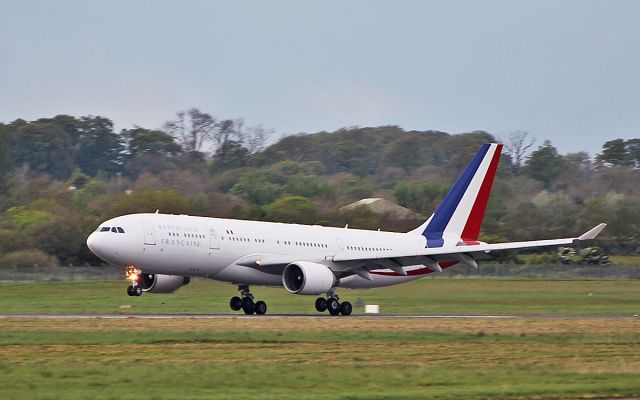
(157, 283)
(305, 277)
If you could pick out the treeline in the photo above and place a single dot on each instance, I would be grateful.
(61, 176)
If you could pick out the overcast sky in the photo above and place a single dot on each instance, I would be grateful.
(567, 71)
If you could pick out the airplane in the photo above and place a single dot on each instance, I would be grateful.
(160, 252)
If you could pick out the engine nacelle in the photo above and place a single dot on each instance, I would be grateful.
(305, 277)
(156, 283)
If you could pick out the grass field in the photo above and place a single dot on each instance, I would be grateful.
(329, 357)
(625, 260)
(427, 296)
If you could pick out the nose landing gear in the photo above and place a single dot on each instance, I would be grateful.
(246, 303)
(332, 304)
(134, 290)
(133, 275)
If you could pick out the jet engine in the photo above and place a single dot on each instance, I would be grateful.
(305, 277)
(156, 283)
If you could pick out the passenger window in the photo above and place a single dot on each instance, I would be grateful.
(120, 230)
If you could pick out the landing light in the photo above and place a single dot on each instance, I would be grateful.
(132, 273)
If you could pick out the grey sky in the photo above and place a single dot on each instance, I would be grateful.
(564, 70)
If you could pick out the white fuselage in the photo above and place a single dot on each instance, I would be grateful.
(213, 247)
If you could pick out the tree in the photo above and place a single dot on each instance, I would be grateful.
(255, 138)
(228, 129)
(5, 154)
(516, 145)
(192, 129)
(69, 124)
(230, 155)
(146, 141)
(168, 201)
(405, 153)
(614, 153)
(421, 197)
(633, 151)
(64, 236)
(23, 217)
(292, 209)
(257, 187)
(545, 164)
(45, 147)
(99, 148)
(349, 155)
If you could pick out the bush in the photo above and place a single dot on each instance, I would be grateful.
(28, 258)
(23, 217)
(544, 259)
(294, 209)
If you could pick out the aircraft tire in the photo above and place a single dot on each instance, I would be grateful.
(321, 304)
(137, 291)
(131, 291)
(346, 308)
(248, 306)
(333, 306)
(235, 303)
(260, 307)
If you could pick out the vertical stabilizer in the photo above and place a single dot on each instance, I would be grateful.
(459, 215)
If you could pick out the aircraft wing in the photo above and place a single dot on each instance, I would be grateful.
(440, 251)
(430, 257)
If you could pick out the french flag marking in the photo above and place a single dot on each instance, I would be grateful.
(461, 211)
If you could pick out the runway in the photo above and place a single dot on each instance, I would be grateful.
(310, 316)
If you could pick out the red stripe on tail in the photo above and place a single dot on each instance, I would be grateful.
(472, 228)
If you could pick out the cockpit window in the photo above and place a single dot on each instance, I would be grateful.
(114, 229)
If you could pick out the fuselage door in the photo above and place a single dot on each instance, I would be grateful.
(214, 240)
(149, 234)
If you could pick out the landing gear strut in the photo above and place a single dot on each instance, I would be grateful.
(133, 274)
(246, 303)
(333, 305)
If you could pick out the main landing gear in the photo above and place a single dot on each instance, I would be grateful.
(246, 303)
(332, 304)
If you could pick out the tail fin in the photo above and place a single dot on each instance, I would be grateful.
(460, 214)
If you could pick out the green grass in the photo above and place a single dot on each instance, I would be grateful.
(628, 261)
(330, 358)
(324, 358)
(443, 295)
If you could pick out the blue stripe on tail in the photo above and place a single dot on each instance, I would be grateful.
(434, 230)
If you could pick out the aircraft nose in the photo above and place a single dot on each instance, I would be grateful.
(104, 246)
(91, 242)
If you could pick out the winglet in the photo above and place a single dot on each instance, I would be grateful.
(593, 232)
